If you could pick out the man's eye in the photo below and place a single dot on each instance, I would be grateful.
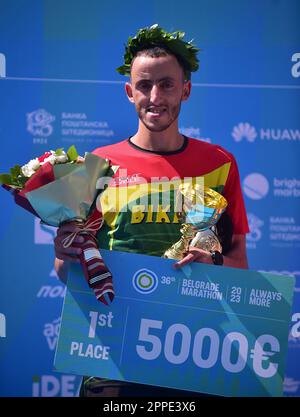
(166, 84)
(145, 86)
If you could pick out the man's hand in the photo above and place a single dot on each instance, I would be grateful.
(65, 256)
(195, 255)
(72, 252)
(235, 258)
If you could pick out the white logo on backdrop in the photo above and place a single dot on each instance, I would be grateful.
(255, 186)
(2, 325)
(43, 234)
(54, 386)
(266, 134)
(193, 132)
(294, 341)
(49, 291)
(295, 330)
(284, 230)
(76, 127)
(244, 131)
(51, 331)
(255, 224)
(54, 289)
(39, 123)
(290, 385)
(2, 65)
(296, 67)
(294, 334)
(286, 187)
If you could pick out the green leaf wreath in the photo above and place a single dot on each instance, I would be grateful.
(154, 36)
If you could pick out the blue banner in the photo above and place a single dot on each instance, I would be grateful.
(203, 328)
(58, 86)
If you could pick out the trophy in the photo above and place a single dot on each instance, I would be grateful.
(199, 209)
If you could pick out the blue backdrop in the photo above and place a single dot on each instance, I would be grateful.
(58, 86)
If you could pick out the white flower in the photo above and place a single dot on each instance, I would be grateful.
(26, 171)
(34, 164)
(50, 159)
(30, 168)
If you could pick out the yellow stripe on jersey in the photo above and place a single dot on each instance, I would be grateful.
(116, 199)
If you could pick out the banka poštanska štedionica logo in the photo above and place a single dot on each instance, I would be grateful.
(39, 123)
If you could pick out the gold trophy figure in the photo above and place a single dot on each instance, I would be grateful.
(199, 209)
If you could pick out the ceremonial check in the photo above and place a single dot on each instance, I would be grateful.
(201, 328)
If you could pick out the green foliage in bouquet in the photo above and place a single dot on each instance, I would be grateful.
(71, 152)
(15, 178)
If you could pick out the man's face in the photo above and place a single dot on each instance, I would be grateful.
(157, 88)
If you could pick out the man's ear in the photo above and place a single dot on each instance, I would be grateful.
(128, 89)
(186, 90)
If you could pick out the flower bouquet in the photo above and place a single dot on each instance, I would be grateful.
(63, 187)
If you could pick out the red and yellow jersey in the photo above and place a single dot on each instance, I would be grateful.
(138, 205)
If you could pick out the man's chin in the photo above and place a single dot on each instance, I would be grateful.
(157, 127)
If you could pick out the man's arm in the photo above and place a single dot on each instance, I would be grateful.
(62, 268)
(235, 258)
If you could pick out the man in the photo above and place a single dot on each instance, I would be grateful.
(159, 65)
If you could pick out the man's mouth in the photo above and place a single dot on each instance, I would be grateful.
(155, 111)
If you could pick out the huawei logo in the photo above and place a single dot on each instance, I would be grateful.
(244, 130)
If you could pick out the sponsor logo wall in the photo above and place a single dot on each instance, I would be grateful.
(65, 90)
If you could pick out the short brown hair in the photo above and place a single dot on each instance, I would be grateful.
(158, 51)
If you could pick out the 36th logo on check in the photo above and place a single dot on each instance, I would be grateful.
(145, 281)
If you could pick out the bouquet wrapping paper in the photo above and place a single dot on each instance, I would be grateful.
(67, 192)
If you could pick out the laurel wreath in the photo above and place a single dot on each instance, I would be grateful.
(154, 36)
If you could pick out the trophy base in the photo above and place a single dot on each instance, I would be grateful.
(178, 250)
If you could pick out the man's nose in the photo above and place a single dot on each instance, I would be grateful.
(155, 95)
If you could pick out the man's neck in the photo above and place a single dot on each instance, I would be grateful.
(165, 141)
